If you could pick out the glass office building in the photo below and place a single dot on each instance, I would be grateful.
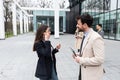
(105, 12)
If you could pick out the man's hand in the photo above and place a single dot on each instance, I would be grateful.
(77, 59)
(77, 54)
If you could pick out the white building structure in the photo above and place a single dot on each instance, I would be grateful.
(24, 15)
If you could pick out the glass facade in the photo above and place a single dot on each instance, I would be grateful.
(47, 17)
(49, 20)
(105, 13)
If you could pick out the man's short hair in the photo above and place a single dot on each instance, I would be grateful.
(85, 18)
(100, 25)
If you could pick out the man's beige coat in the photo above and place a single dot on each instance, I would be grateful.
(92, 57)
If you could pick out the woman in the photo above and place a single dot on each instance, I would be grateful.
(46, 66)
(78, 37)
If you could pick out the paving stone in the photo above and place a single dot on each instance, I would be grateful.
(18, 61)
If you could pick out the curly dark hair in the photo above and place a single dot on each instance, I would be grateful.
(85, 18)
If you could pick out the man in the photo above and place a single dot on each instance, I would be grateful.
(91, 56)
(99, 30)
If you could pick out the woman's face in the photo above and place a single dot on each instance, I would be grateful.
(47, 33)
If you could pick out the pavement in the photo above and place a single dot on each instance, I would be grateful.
(18, 61)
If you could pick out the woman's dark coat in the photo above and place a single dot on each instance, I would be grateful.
(46, 59)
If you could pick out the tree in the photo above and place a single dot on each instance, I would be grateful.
(7, 14)
(40, 3)
(98, 4)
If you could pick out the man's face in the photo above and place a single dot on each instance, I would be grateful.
(97, 27)
(80, 25)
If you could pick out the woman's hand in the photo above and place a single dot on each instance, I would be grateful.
(58, 46)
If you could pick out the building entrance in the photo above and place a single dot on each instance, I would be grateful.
(49, 20)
